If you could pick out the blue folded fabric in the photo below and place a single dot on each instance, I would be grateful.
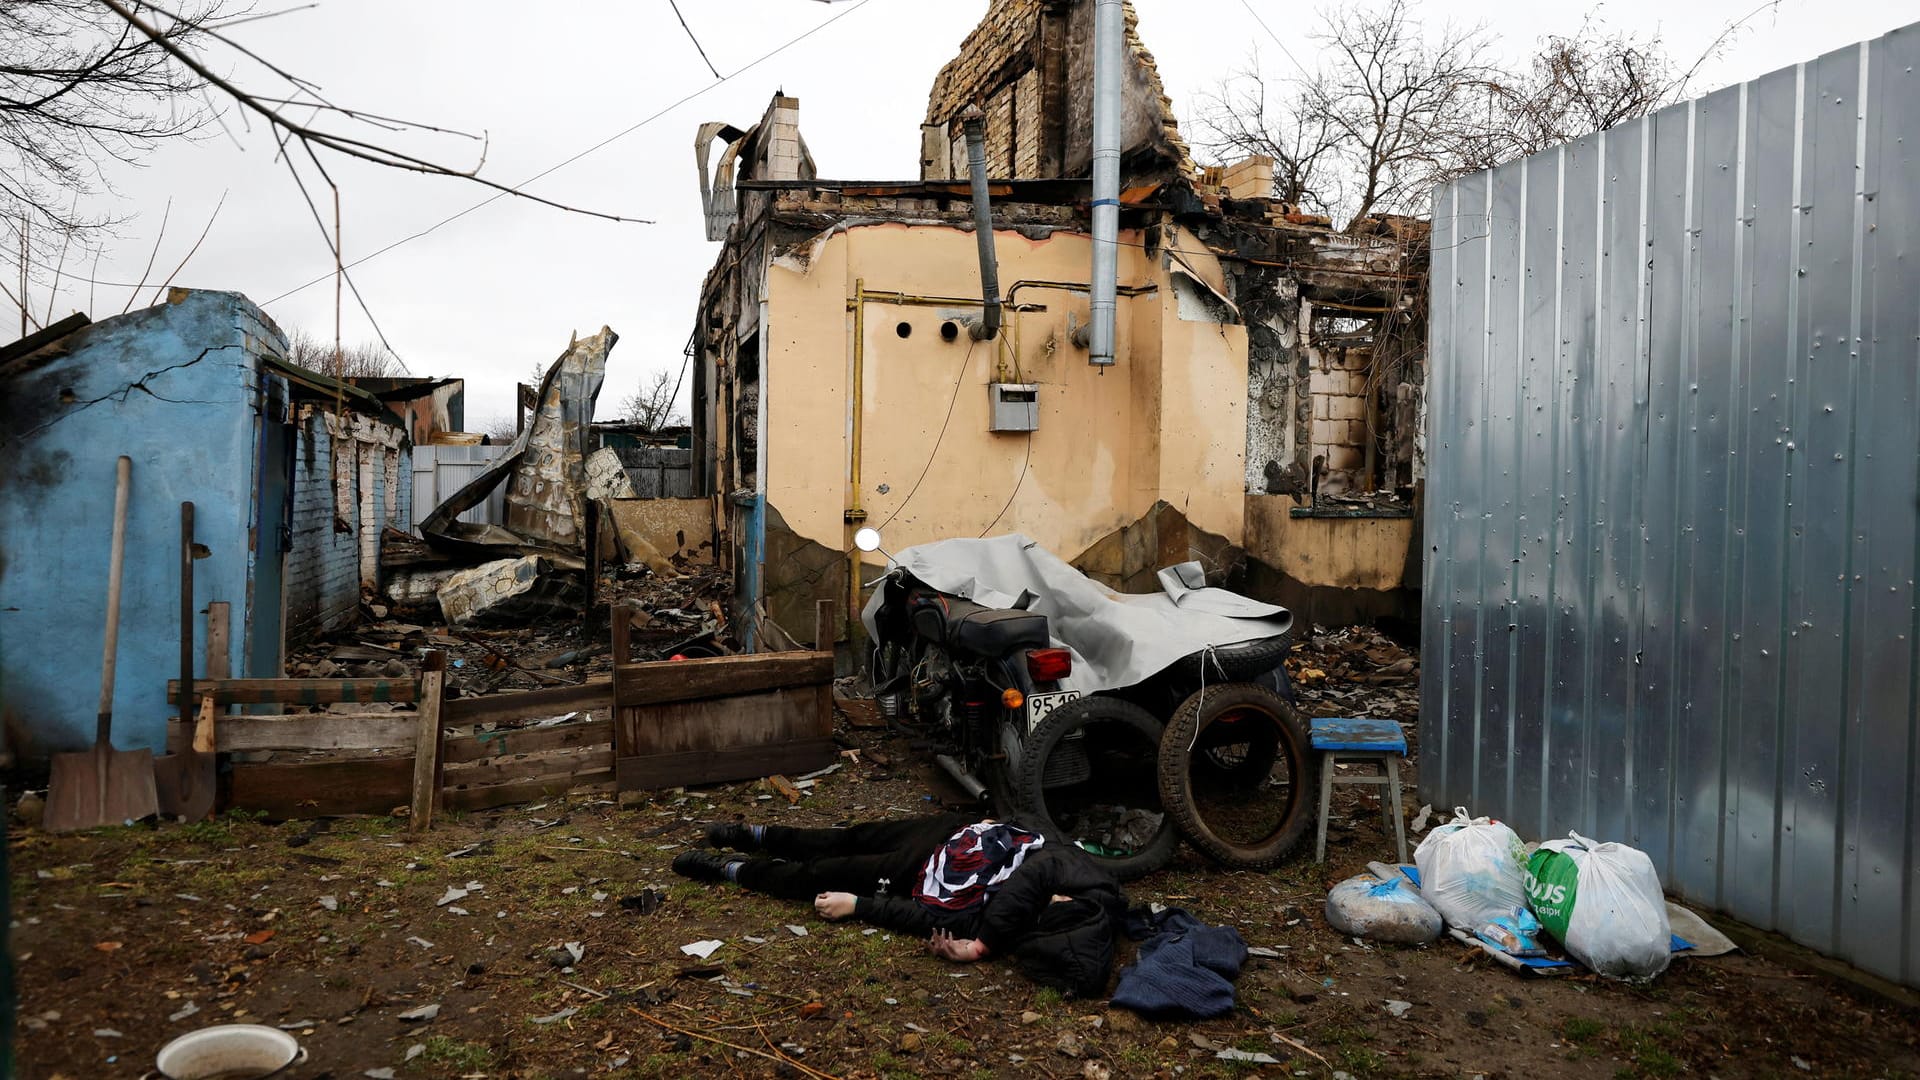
(1184, 970)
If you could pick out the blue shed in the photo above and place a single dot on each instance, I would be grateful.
(198, 393)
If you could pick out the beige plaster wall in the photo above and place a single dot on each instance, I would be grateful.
(1345, 553)
(1165, 423)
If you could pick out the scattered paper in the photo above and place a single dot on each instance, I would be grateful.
(105, 1033)
(701, 949)
(420, 941)
(1398, 1008)
(416, 1050)
(384, 1073)
(1249, 1057)
(424, 1012)
(575, 950)
(1262, 950)
(796, 931)
(453, 893)
(1420, 820)
(331, 903)
(556, 1017)
(188, 1010)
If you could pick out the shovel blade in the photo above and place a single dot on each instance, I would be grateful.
(185, 783)
(101, 786)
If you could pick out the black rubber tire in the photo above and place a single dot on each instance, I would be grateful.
(1044, 740)
(1185, 761)
(1234, 663)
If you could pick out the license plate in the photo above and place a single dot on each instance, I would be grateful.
(1039, 705)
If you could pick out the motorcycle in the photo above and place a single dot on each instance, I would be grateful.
(1079, 746)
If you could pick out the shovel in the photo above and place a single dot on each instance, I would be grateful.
(185, 781)
(104, 786)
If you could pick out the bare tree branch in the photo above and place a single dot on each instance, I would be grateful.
(1396, 107)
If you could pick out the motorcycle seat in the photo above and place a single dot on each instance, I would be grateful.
(993, 632)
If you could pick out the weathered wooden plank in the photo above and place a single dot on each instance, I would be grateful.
(718, 676)
(595, 694)
(309, 731)
(770, 717)
(300, 691)
(545, 766)
(461, 749)
(320, 788)
(488, 796)
(718, 766)
(427, 746)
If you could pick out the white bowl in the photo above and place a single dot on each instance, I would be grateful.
(229, 1052)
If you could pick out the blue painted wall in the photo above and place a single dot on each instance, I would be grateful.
(177, 388)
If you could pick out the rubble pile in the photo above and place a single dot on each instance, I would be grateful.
(1355, 671)
(682, 615)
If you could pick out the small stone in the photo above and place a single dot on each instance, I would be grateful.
(910, 1043)
(1029, 1017)
(1070, 1045)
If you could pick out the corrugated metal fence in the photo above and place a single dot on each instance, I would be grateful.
(1675, 481)
(440, 469)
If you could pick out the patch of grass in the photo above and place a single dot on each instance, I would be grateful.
(1361, 1061)
(893, 1068)
(214, 832)
(1580, 1029)
(1045, 998)
(1646, 1048)
(464, 1056)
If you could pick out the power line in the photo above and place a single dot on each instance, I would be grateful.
(696, 41)
(723, 80)
(1276, 38)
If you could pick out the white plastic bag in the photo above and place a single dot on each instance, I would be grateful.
(1470, 871)
(1604, 903)
(1382, 910)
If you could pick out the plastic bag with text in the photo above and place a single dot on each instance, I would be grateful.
(1604, 903)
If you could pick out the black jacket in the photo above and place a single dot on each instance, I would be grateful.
(1068, 945)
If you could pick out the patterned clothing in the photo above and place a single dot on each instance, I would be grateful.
(973, 864)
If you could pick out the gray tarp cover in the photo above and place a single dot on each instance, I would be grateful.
(1117, 639)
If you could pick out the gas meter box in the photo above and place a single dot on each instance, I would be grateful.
(1013, 406)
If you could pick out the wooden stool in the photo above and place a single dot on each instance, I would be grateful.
(1351, 739)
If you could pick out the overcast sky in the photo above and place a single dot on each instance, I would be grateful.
(489, 295)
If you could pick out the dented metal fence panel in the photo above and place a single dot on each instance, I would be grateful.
(1674, 498)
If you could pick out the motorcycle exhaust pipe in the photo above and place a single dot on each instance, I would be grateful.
(959, 772)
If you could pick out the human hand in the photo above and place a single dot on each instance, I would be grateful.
(833, 906)
(959, 950)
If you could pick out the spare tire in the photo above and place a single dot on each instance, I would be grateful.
(1088, 776)
(1240, 662)
(1237, 774)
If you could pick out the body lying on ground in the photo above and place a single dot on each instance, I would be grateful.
(972, 888)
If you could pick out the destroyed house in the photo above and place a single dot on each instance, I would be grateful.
(293, 477)
(1261, 415)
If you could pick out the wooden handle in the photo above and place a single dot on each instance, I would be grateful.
(186, 612)
(122, 487)
(203, 727)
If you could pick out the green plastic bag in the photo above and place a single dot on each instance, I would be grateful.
(1553, 881)
(1604, 903)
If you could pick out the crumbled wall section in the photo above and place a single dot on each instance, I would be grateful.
(1028, 65)
(329, 557)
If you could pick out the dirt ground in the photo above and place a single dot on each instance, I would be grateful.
(337, 930)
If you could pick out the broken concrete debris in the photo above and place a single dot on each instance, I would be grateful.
(510, 591)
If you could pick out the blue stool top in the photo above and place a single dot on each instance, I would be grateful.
(1358, 733)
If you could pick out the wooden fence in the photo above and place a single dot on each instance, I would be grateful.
(675, 723)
